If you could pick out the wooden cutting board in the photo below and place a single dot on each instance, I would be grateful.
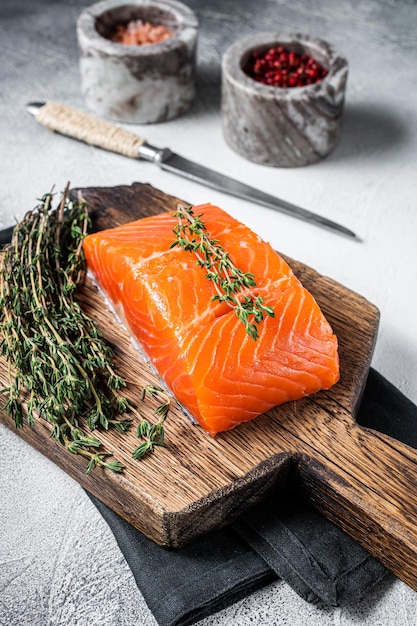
(363, 481)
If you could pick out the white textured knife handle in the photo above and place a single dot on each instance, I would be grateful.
(88, 128)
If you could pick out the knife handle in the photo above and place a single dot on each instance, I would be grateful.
(88, 128)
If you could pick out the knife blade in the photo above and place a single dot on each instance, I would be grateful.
(104, 134)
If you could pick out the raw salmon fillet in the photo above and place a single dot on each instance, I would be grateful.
(200, 348)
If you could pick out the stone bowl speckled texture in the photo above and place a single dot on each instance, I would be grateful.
(141, 84)
(282, 127)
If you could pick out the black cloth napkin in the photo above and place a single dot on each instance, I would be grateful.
(282, 537)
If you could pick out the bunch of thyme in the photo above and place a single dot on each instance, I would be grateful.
(230, 282)
(60, 367)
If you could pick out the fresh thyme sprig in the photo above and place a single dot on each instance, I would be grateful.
(60, 367)
(231, 283)
(152, 434)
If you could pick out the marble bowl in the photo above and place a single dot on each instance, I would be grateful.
(140, 83)
(282, 127)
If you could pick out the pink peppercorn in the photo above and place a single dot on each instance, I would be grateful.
(279, 67)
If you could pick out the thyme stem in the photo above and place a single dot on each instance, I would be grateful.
(59, 365)
(232, 285)
(152, 434)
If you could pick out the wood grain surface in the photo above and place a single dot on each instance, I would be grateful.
(363, 481)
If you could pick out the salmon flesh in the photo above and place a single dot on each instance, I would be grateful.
(198, 346)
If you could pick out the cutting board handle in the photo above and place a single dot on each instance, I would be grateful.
(366, 483)
(88, 128)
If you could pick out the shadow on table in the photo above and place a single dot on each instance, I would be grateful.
(370, 131)
(362, 611)
(208, 90)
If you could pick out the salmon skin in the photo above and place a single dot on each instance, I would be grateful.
(198, 346)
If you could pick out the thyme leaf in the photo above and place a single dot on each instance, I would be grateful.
(152, 435)
(232, 285)
(59, 365)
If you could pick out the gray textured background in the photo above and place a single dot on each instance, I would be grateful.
(59, 562)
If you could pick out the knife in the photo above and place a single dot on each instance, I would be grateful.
(104, 134)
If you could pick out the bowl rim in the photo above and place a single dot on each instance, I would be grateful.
(185, 26)
(235, 53)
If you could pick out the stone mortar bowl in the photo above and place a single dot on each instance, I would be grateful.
(141, 84)
(282, 127)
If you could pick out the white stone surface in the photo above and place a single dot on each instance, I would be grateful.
(59, 562)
